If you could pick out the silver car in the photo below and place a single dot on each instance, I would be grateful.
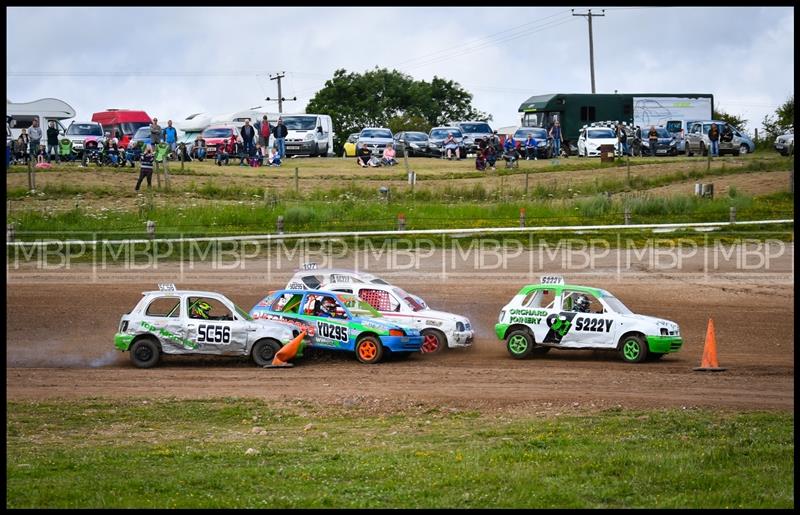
(172, 321)
(77, 132)
(474, 133)
(376, 139)
(784, 144)
(697, 141)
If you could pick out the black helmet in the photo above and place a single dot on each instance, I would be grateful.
(582, 304)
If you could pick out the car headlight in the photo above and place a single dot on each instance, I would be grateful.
(309, 136)
(542, 143)
(460, 326)
(414, 145)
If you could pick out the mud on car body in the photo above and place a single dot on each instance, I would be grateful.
(171, 321)
(439, 329)
(339, 321)
(549, 315)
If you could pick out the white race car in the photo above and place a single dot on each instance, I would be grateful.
(555, 315)
(438, 328)
(310, 277)
(171, 321)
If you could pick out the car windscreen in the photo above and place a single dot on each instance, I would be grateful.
(601, 133)
(408, 299)
(522, 134)
(442, 133)
(217, 133)
(132, 127)
(616, 305)
(376, 133)
(674, 126)
(142, 133)
(243, 313)
(84, 129)
(415, 136)
(475, 127)
(300, 123)
(663, 133)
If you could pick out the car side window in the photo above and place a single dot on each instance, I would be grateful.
(287, 303)
(164, 307)
(207, 308)
(570, 302)
(540, 299)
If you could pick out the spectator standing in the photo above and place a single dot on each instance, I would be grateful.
(713, 138)
(146, 171)
(622, 138)
(248, 138)
(652, 138)
(162, 149)
(555, 133)
(35, 134)
(52, 141)
(171, 136)
(155, 133)
(263, 132)
(280, 137)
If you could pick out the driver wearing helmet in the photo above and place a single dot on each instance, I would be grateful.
(581, 304)
(327, 308)
(200, 309)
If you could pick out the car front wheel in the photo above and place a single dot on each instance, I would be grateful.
(369, 350)
(432, 341)
(633, 349)
(264, 351)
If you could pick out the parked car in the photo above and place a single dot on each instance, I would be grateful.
(436, 140)
(339, 321)
(746, 144)
(784, 144)
(474, 133)
(679, 129)
(77, 132)
(555, 315)
(376, 139)
(592, 137)
(666, 144)
(544, 145)
(349, 147)
(439, 329)
(170, 321)
(697, 141)
(417, 143)
(142, 135)
(216, 134)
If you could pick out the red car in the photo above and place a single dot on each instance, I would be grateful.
(216, 134)
(122, 123)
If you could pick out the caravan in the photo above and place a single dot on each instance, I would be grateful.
(253, 115)
(44, 110)
(309, 134)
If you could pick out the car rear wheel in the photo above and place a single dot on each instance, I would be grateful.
(519, 344)
(145, 353)
(633, 349)
(369, 350)
(432, 341)
(264, 351)
(703, 150)
(689, 152)
(744, 149)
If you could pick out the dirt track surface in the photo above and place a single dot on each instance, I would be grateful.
(60, 345)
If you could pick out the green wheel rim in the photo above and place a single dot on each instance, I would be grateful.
(517, 344)
(631, 350)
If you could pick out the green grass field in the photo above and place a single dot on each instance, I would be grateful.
(194, 454)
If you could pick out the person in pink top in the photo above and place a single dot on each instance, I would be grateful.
(388, 155)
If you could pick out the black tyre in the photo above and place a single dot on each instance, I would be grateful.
(264, 351)
(145, 353)
(633, 349)
(703, 150)
(369, 350)
(655, 356)
(433, 341)
(519, 344)
(689, 152)
(744, 149)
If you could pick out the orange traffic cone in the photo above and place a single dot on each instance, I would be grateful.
(287, 352)
(709, 361)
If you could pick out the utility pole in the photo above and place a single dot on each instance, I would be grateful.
(591, 43)
(280, 99)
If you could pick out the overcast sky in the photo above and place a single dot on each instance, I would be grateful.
(176, 61)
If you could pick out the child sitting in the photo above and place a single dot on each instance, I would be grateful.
(274, 157)
(41, 155)
(222, 155)
(65, 149)
(480, 158)
(491, 155)
(257, 159)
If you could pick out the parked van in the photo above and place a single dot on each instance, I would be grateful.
(44, 110)
(309, 134)
(122, 123)
(679, 129)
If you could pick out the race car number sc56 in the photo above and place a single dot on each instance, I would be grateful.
(554, 315)
(171, 321)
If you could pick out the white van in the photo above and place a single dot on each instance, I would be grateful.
(309, 134)
(45, 110)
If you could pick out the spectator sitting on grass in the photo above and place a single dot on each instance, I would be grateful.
(274, 157)
(257, 159)
(388, 155)
(363, 155)
(222, 154)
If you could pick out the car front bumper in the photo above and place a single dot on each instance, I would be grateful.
(460, 338)
(664, 344)
(402, 343)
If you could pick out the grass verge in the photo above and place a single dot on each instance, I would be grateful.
(194, 454)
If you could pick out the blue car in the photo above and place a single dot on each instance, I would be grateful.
(339, 321)
(142, 134)
(746, 145)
